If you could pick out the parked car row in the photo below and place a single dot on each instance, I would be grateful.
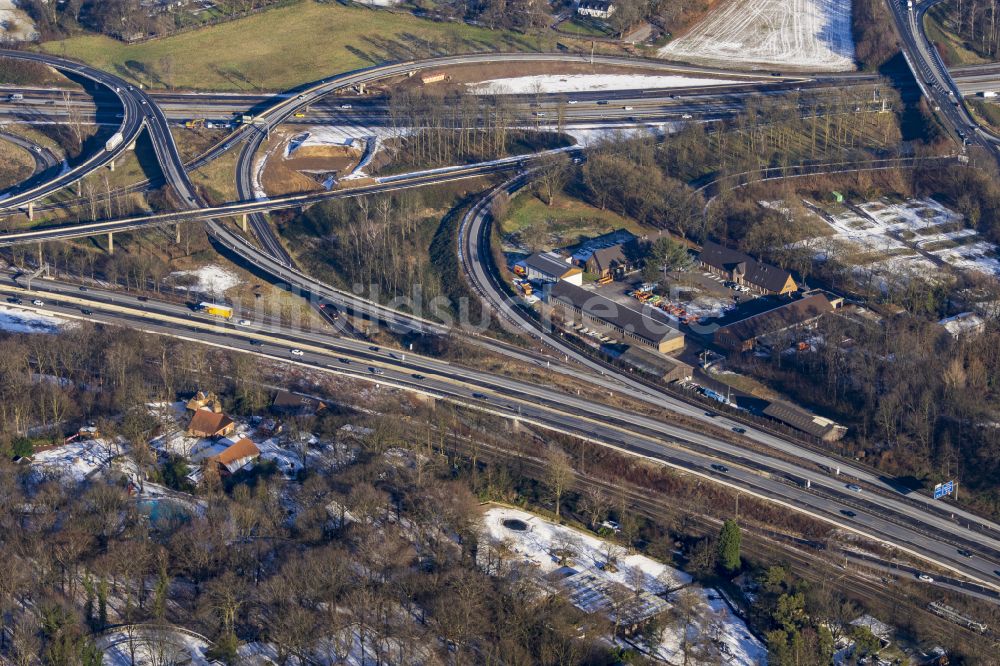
(742, 288)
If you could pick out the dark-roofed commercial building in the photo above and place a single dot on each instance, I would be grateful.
(743, 335)
(743, 269)
(628, 324)
(293, 404)
(616, 260)
(662, 367)
(798, 418)
(550, 266)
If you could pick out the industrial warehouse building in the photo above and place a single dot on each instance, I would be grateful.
(622, 321)
(744, 270)
(550, 267)
(744, 335)
(798, 418)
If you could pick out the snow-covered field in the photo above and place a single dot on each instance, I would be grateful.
(71, 462)
(569, 83)
(15, 24)
(211, 279)
(535, 544)
(805, 34)
(16, 320)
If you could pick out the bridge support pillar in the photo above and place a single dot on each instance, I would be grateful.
(177, 236)
(243, 222)
(111, 242)
(31, 211)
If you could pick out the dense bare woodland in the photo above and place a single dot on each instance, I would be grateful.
(120, 18)
(975, 22)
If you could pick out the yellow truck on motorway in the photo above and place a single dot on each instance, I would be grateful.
(216, 309)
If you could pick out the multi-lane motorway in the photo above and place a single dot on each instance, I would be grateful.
(932, 537)
(914, 525)
(934, 79)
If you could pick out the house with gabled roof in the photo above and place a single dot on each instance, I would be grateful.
(236, 456)
(208, 423)
(744, 270)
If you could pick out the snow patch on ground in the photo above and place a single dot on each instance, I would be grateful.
(534, 546)
(152, 645)
(71, 462)
(737, 645)
(810, 34)
(907, 238)
(15, 24)
(586, 136)
(15, 320)
(211, 279)
(567, 83)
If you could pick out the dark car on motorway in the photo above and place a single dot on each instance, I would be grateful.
(417, 376)
(964, 553)
(720, 468)
(86, 311)
(15, 300)
(479, 396)
(739, 430)
(848, 513)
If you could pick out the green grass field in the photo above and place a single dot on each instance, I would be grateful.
(566, 222)
(954, 51)
(285, 47)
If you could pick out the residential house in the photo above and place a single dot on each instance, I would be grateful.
(551, 267)
(236, 456)
(207, 423)
(744, 335)
(586, 307)
(602, 9)
(743, 269)
(202, 400)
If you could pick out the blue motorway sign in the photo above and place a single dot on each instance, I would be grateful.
(942, 489)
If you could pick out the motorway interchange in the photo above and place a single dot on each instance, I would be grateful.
(774, 469)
